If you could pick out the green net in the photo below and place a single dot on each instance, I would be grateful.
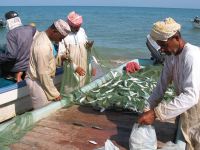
(105, 63)
(114, 90)
(121, 91)
(12, 132)
(95, 60)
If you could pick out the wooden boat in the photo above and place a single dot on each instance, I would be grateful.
(15, 100)
(81, 127)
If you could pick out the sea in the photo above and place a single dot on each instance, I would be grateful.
(119, 33)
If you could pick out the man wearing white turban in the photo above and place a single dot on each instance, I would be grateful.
(182, 67)
(77, 47)
(14, 60)
(42, 65)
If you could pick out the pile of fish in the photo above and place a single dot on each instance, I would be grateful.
(129, 91)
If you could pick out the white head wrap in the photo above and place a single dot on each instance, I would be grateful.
(13, 23)
(62, 27)
(162, 30)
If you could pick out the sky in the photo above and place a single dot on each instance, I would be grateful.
(135, 3)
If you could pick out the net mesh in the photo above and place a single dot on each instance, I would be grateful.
(14, 131)
(121, 91)
(114, 90)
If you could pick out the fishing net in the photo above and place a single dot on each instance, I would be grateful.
(72, 81)
(120, 90)
(114, 90)
(103, 62)
(12, 132)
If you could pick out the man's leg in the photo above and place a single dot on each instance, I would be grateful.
(37, 94)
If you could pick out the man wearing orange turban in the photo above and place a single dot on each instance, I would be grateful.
(77, 70)
(74, 19)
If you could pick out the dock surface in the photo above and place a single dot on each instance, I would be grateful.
(74, 128)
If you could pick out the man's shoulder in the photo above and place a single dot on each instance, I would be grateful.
(192, 49)
(191, 53)
(41, 39)
(22, 29)
(81, 30)
(41, 36)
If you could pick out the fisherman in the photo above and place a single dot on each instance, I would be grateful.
(182, 66)
(15, 59)
(43, 64)
(78, 49)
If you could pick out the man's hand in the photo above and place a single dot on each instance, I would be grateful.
(65, 57)
(80, 71)
(89, 44)
(18, 76)
(147, 118)
(58, 98)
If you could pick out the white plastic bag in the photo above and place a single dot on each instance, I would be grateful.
(143, 137)
(171, 146)
(108, 146)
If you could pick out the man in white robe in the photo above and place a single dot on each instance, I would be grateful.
(182, 67)
(42, 65)
(77, 49)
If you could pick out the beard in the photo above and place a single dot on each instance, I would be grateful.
(178, 52)
(168, 53)
(174, 52)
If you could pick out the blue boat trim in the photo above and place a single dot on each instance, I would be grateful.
(23, 83)
(58, 72)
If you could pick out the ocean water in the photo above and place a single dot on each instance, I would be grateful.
(119, 32)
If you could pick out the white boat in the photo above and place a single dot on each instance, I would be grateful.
(15, 99)
(2, 23)
(196, 22)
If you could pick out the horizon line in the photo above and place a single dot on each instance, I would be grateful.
(93, 6)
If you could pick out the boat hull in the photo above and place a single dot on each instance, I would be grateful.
(196, 25)
(15, 99)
